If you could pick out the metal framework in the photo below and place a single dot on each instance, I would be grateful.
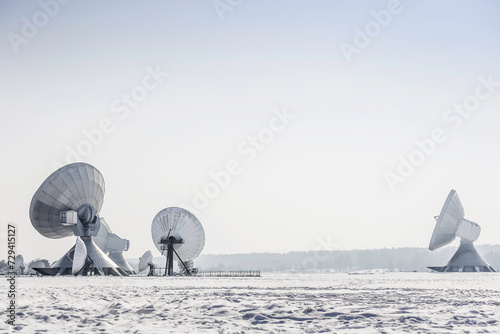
(178, 235)
(168, 245)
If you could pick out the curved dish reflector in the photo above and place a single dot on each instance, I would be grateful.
(448, 222)
(182, 224)
(145, 260)
(37, 263)
(67, 189)
(18, 263)
(79, 256)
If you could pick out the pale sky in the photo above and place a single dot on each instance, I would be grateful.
(316, 180)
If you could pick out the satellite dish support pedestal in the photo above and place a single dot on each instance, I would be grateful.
(168, 245)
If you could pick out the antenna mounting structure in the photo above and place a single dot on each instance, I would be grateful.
(451, 224)
(68, 203)
(178, 235)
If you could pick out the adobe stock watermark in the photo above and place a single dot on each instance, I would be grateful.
(32, 26)
(372, 29)
(247, 150)
(11, 274)
(223, 6)
(453, 119)
(121, 107)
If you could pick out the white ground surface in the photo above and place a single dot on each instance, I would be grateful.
(280, 303)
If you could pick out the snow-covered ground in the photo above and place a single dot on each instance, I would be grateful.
(274, 303)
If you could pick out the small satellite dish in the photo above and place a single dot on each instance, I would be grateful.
(146, 261)
(450, 224)
(68, 203)
(189, 266)
(36, 263)
(177, 233)
(19, 264)
(80, 256)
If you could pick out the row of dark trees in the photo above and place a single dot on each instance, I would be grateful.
(403, 259)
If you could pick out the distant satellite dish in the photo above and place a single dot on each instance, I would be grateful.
(188, 265)
(79, 257)
(146, 261)
(450, 224)
(177, 233)
(19, 264)
(68, 203)
(37, 263)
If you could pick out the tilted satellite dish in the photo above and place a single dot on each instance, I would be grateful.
(19, 264)
(177, 232)
(451, 224)
(68, 203)
(187, 265)
(79, 257)
(37, 263)
(146, 261)
(113, 246)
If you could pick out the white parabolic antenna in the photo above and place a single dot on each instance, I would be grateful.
(68, 203)
(146, 261)
(178, 235)
(451, 224)
(19, 264)
(79, 257)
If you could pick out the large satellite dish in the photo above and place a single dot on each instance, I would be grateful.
(178, 235)
(451, 224)
(68, 203)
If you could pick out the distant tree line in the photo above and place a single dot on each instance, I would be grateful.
(402, 259)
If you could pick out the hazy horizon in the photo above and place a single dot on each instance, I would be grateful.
(450, 248)
(282, 126)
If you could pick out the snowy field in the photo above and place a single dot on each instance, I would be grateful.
(274, 303)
